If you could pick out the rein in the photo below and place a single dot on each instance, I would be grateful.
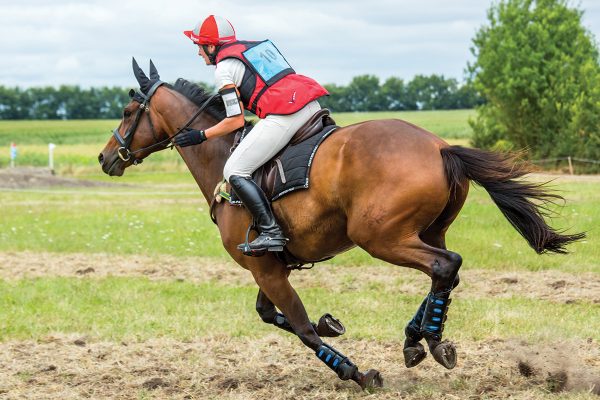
(125, 153)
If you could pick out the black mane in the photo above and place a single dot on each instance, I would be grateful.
(198, 96)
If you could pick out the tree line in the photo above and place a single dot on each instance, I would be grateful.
(65, 102)
(433, 92)
(363, 93)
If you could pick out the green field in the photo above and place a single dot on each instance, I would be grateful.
(160, 220)
(130, 220)
(79, 142)
(160, 213)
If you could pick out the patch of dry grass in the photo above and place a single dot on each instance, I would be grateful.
(279, 367)
(548, 285)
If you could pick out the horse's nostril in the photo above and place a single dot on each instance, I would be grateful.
(100, 158)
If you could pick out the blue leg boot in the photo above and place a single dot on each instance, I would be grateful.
(432, 327)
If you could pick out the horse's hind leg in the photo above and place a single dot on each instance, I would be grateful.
(328, 326)
(272, 279)
(442, 266)
(443, 280)
(434, 236)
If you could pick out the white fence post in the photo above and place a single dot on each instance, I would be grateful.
(51, 147)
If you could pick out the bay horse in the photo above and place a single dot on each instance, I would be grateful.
(386, 186)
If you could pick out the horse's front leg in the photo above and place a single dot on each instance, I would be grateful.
(328, 326)
(272, 279)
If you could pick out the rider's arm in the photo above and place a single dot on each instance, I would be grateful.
(228, 124)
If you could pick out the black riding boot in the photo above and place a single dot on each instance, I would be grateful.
(270, 236)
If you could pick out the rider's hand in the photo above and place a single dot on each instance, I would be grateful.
(189, 137)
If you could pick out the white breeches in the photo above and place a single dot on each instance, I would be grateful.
(266, 139)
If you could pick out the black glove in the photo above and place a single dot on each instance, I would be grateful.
(189, 137)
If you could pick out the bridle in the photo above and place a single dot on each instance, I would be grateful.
(124, 151)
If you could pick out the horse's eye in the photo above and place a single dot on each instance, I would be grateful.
(126, 113)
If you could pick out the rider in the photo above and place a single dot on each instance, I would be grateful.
(254, 76)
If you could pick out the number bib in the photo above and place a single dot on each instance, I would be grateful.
(268, 62)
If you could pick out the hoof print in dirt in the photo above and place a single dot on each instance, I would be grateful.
(526, 369)
(154, 383)
(556, 382)
(85, 271)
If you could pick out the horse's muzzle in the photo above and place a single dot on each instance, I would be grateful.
(111, 164)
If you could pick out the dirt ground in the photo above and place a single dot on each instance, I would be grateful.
(30, 177)
(548, 285)
(279, 367)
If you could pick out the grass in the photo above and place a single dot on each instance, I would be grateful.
(80, 141)
(447, 124)
(167, 219)
(58, 132)
(138, 309)
(164, 213)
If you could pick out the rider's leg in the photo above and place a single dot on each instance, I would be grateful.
(266, 139)
(271, 237)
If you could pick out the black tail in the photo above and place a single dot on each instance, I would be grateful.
(498, 173)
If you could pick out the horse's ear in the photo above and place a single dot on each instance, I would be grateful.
(153, 72)
(140, 76)
(131, 93)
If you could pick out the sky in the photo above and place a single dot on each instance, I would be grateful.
(90, 43)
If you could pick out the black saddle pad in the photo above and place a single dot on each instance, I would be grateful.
(293, 166)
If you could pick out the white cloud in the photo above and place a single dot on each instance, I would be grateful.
(91, 42)
(68, 64)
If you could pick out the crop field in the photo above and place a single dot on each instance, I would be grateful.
(120, 288)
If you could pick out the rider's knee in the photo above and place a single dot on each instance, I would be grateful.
(228, 171)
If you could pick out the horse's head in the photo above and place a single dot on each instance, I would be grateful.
(139, 133)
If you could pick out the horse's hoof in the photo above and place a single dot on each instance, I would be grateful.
(445, 354)
(370, 379)
(414, 355)
(330, 327)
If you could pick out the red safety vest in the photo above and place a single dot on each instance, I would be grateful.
(269, 90)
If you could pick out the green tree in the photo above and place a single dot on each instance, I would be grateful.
(364, 94)
(537, 67)
(337, 101)
(434, 92)
(395, 95)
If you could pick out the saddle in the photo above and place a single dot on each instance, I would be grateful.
(266, 176)
(287, 171)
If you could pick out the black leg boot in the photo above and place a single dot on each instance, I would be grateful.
(270, 236)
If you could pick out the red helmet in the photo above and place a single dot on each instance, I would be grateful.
(214, 30)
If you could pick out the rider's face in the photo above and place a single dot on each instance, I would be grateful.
(202, 53)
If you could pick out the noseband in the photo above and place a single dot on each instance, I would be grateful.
(124, 151)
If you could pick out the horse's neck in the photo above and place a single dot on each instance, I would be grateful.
(206, 162)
